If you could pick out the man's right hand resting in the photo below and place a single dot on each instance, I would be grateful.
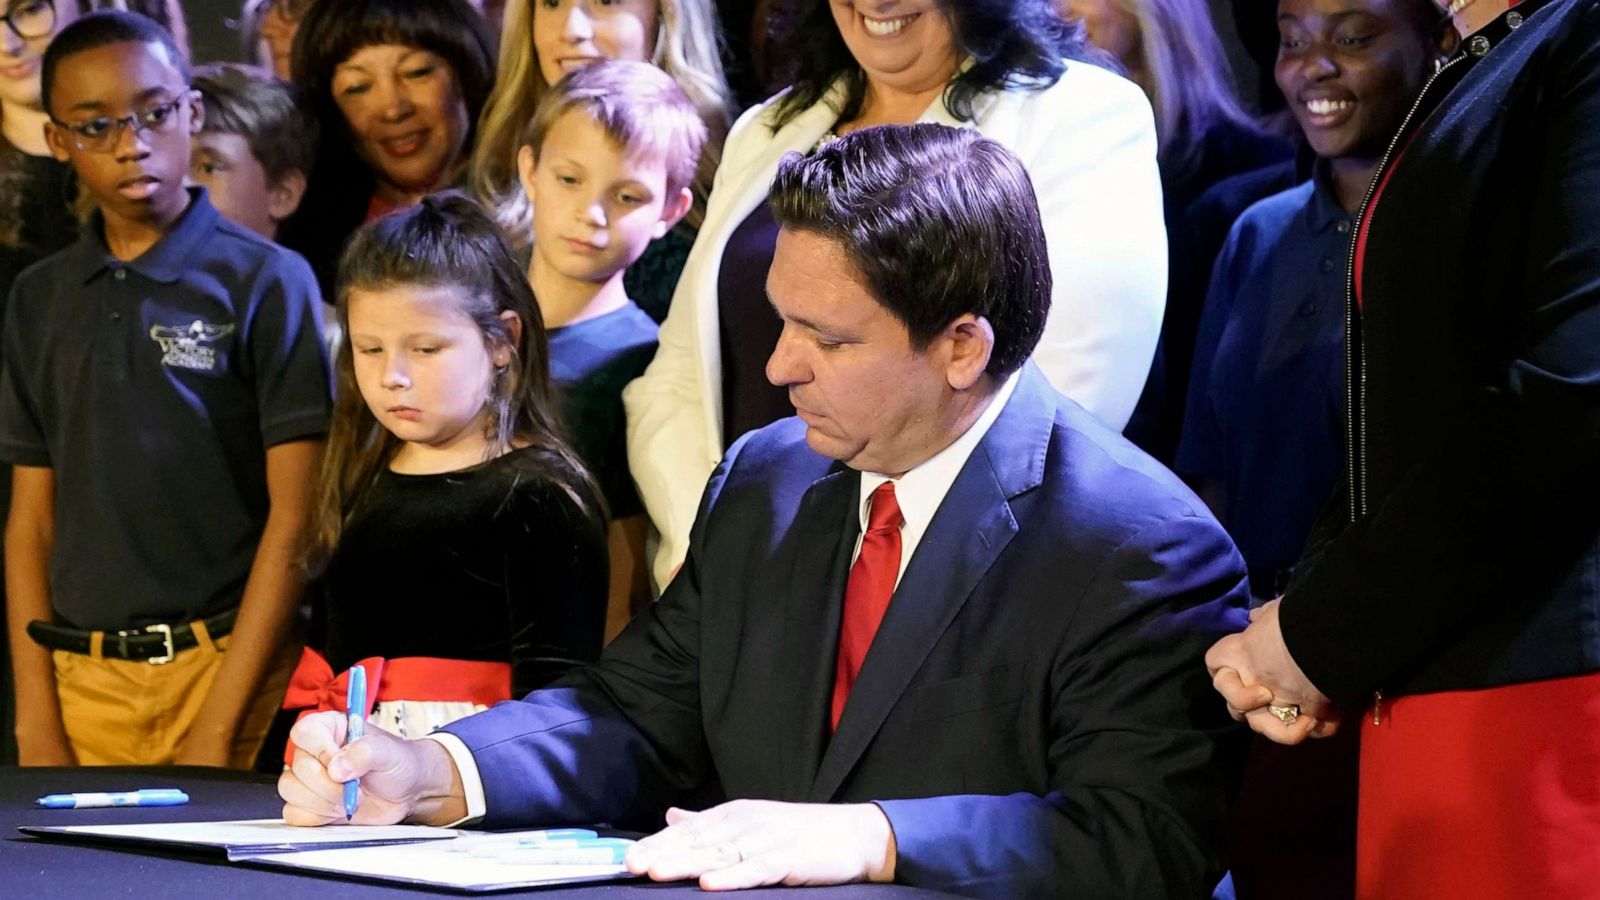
(401, 780)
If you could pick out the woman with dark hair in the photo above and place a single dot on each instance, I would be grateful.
(1013, 70)
(395, 87)
(1448, 604)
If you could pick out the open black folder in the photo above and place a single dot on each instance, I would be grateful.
(446, 858)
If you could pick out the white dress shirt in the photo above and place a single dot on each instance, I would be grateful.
(919, 492)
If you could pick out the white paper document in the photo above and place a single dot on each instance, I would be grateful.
(248, 837)
(447, 858)
(441, 864)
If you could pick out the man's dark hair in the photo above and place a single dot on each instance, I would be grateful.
(101, 29)
(249, 102)
(1012, 44)
(940, 221)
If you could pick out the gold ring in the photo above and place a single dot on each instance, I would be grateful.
(1286, 714)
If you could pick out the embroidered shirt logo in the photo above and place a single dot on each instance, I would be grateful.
(189, 346)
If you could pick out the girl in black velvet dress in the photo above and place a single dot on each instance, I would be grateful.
(461, 545)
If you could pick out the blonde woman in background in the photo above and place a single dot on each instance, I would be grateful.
(1170, 49)
(541, 43)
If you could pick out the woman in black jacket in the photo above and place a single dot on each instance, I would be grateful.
(1452, 601)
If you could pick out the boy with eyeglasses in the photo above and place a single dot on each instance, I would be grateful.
(163, 393)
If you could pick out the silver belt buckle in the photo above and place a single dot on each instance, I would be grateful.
(165, 631)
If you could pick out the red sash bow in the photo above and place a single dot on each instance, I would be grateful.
(314, 688)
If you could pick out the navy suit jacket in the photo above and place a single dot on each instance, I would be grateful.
(1033, 717)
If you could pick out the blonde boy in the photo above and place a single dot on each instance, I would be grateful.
(606, 162)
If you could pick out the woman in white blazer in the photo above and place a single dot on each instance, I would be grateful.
(1019, 75)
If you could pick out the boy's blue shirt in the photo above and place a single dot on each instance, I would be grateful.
(591, 362)
(1266, 396)
(153, 389)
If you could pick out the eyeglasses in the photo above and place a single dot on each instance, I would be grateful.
(101, 133)
(31, 18)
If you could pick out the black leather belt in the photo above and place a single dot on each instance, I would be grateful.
(154, 644)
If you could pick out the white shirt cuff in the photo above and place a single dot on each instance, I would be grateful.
(471, 783)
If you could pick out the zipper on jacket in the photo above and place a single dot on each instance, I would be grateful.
(1355, 356)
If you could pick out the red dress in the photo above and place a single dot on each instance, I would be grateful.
(1490, 794)
(1482, 795)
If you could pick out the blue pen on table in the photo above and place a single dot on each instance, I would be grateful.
(518, 845)
(598, 852)
(481, 845)
(356, 707)
(145, 797)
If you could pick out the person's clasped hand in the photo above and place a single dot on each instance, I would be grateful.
(750, 843)
(1264, 687)
(397, 776)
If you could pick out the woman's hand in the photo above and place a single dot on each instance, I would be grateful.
(1264, 687)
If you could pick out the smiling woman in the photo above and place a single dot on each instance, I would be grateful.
(395, 87)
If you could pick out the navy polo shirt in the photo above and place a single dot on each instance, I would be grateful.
(153, 389)
(591, 362)
(1266, 393)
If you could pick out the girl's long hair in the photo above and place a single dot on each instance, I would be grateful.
(445, 241)
(688, 47)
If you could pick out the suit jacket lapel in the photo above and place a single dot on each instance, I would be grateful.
(815, 583)
(973, 525)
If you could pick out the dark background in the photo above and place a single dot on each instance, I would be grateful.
(211, 37)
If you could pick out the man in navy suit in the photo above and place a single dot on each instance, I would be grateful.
(944, 628)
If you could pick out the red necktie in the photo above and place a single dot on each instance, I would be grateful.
(866, 596)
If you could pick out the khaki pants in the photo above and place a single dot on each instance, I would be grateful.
(123, 713)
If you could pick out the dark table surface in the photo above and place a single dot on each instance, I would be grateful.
(31, 868)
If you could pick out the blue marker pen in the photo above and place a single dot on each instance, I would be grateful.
(356, 707)
(562, 835)
(492, 845)
(148, 797)
(582, 855)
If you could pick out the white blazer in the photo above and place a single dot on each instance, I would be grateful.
(1089, 145)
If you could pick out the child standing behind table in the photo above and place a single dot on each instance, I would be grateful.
(163, 397)
(253, 151)
(607, 163)
(461, 544)
(253, 154)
